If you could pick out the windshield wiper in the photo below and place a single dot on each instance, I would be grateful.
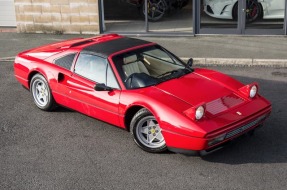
(173, 74)
(166, 73)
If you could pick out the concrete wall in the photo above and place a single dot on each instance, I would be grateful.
(57, 16)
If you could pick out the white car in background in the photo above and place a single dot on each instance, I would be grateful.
(255, 9)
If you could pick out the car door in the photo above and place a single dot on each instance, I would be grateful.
(88, 71)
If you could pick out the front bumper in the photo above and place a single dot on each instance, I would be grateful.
(212, 149)
(221, 10)
(201, 146)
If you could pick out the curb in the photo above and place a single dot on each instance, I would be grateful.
(239, 62)
(221, 62)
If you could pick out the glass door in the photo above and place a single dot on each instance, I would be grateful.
(170, 16)
(122, 16)
(147, 16)
(188, 17)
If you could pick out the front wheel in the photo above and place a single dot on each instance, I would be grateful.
(41, 93)
(147, 132)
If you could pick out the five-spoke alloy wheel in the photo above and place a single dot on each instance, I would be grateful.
(147, 132)
(155, 9)
(41, 93)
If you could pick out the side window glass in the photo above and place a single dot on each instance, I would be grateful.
(111, 79)
(91, 67)
(66, 61)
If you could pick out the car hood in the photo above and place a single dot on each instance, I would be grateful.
(195, 89)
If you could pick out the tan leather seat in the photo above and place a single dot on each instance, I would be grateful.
(133, 65)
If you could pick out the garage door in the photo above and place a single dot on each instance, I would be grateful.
(7, 13)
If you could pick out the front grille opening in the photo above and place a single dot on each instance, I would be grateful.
(245, 127)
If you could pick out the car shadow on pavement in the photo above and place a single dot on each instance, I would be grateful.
(62, 109)
(268, 144)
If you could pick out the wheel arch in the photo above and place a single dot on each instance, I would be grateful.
(133, 109)
(129, 114)
(33, 73)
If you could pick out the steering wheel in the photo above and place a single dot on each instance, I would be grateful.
(129, 77)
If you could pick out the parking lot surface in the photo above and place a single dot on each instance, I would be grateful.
(64, 149)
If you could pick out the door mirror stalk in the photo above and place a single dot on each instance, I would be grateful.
(102, 87)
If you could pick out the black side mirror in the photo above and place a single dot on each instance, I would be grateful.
(190, 63)
(102, 87)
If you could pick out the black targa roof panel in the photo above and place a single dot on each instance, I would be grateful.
(104, 49)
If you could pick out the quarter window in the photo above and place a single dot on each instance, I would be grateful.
(66, 61)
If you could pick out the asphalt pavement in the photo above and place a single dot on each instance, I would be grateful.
(64, 149)
(206, 50)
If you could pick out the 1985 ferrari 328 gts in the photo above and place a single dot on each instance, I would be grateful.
(145, 89)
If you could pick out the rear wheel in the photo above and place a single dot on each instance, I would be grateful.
(147, 132)
(41, 93)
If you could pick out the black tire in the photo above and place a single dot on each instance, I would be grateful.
(156, 9)
(144, 128)
(41, 93)
(254, 11)
(235, 11)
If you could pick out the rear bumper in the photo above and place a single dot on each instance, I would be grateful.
(202, 146)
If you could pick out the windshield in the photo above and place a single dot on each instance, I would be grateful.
(148, 66)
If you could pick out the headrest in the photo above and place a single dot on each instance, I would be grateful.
(130, 59)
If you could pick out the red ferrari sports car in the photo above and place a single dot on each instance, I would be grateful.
(143, 88)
